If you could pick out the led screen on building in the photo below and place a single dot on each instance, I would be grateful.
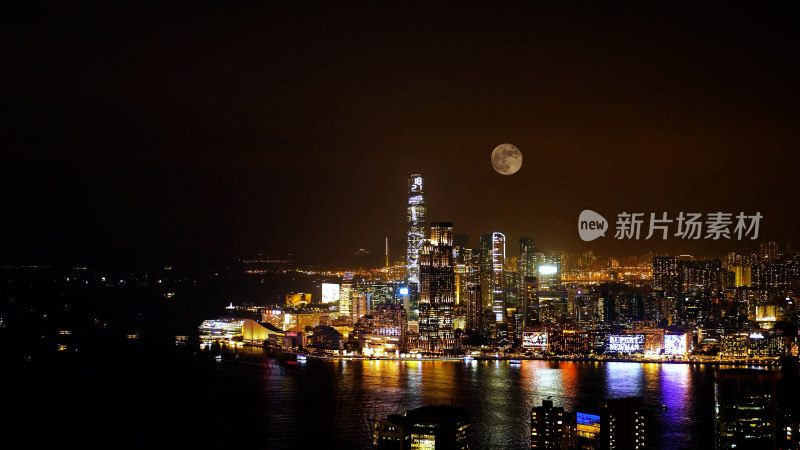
(330, 292)
(675, 344)
(548, 270)
(534, 339)
(588, 425)
(625, 343)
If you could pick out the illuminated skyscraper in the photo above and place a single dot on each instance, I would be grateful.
(437, 291)
(549, 271)
(527, 261)
(416, 215)
(530, 300)
(474, 307)
(345, 295)
(493, 258)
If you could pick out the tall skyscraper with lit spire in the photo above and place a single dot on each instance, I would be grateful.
(417, 216)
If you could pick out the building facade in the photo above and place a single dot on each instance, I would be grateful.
(416, 222)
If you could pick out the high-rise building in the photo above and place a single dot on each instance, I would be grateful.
(359, 305)
(437, 291)
(621, 423)
(549, 271)
(552, 428)
(530, 300)
(474, 307)
(705, 273)
(388, 327)
(666, 275)
(527, 261)
(493, 256)
(745, 408)
(345, 293)
(416, 222)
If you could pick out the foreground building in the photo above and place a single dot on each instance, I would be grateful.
(552, 428)
(428, 427)
(745, 408)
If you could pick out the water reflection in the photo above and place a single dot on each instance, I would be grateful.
(623, 379)
(342, 397)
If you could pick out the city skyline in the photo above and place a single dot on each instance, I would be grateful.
(400, 225)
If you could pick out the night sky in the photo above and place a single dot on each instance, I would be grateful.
(210, 128)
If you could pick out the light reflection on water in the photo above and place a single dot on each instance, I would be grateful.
(342, 397)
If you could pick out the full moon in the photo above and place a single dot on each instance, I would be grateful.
(506, 159)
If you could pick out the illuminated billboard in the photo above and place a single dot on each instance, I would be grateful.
(548, 270)
(588, 425)
(674, 344)
(625, 343)
(330, 292)
(534, 339)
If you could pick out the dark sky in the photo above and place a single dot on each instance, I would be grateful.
(232, 129)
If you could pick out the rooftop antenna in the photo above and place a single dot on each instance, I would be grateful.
(387, 252)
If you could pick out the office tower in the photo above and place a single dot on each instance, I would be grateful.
(437, 291)
(416, 222)
(467, 272)
(359, 305)
(474, 305)
(745, 408)
(389, 326)
(549, 271)
(511, 283)
(526, 263)
(427, 427)
(530, 300)
(493, 255)
(378, 293)
(345, 293)
(390, 319)
(666, 275)
(552, 428)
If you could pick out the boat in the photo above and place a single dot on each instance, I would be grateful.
(514, 361)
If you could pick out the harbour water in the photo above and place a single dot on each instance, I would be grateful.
(339, 399)
(187, 398)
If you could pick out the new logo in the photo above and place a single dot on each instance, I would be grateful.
(591, 225)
